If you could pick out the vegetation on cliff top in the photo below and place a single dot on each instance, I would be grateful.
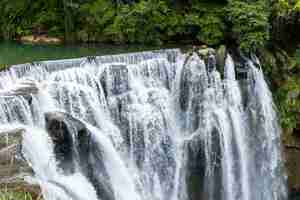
(144, 21)
(283, 61)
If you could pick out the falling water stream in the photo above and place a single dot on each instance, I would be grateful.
(158, 125)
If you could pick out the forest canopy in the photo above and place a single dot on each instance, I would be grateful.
(141, 21)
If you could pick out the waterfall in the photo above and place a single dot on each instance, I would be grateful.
(159, 125)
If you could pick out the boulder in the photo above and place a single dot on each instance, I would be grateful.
(57, 125)
(115, 79)
(211, 62)
(204, 52)
(73, 145)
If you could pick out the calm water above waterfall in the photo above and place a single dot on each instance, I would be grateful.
(17, 53)
(158, 125)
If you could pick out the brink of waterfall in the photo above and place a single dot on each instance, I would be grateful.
(159, 125)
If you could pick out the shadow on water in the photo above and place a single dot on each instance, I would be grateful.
(17, 53)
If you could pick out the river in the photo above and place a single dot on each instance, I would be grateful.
(17, 53)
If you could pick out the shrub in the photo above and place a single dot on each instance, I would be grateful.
(249, 23)
(141, 22)
(16, 195)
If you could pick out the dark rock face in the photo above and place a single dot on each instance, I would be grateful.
(200, 184)
(196, 168)
(286, 30)
(293, 165)
(115, 79)
(59, 132)
(73, 145)
(211, 62)
(291, 152)
(24, 88)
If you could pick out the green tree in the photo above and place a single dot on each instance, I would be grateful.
(248, 21)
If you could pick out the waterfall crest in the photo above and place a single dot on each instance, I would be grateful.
(158, 125)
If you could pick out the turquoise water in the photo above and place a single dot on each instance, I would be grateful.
(16, 53)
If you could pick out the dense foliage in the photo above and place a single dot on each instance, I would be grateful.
(284, 72)
(143, 21)
(250, 23)
(283, 60)
(283, 7)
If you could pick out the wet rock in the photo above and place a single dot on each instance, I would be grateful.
(202, 184)
(23, 88)
(285, 29)
(204, 53)
(73, 145)
(115, 79)
(292, 154)
(195, 168)
(211, 62)
(221, 56)
(291, 150)
(57, 125)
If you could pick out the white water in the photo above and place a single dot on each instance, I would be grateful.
(37, 148)
(122, 182)
(161, 128)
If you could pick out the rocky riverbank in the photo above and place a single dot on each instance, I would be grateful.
(40, 39)
(15, 173)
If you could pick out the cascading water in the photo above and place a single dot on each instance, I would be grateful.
(157, 125)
